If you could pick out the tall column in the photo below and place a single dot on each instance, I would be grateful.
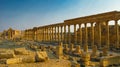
(75, 34)
(107, 34)
(52, 34)
(69, 35)
(64, 33)
(92, 34)
(99, 34)
(47, 38)
(117, 34)
(86, 35)
(43, 34)
(61, 34)
(55, 34)
(58, 34)
(80, 34)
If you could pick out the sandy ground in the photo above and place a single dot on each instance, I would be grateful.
(49, 63)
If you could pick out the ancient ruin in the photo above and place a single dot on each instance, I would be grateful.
(93, 43)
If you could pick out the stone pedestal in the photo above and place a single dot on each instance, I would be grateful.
(86, 58)
(85, 48)
(105, 51)
(66, 48)
(94, 51)
(71, 47)
(59, 50)
(77, 50)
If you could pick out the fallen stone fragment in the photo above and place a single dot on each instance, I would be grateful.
(21, 51)
(41, 56)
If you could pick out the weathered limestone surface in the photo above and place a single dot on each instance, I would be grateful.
(106, 61)
(21, 51)
(41, 56)
(14, 61)
(28, 59)
(4, 53)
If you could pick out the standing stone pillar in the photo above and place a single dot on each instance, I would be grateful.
(86, 35)
(52, 34)
(64, 33)
(85, 48)
(61, 34)
(47, 38)
(55, 35)
(92, 34)
(69, 35)
(58, 34)
(44, 34)
(80, 34)
(107, 35)
(117, 34)
(99, 35)
(75, 34)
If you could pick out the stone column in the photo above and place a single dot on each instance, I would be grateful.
(52, 34)
(75, 34)
(86, 35)
(47, 38)
(117, 34)
(92, 34)
(61, 34)
(58, 34)
(43, 34)
(80, 34)
(107, 35)
(69, 35)
(64, 33)
(99, 34)
(55, 34)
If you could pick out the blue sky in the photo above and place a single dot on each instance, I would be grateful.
(25, 14)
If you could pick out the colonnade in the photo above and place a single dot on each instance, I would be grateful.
(61, 32)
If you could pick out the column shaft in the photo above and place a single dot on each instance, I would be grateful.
(117, 34)
(92, 34)
(55, 35)
(69, 35)
(99, 35)
(80, 34)
(61, 34)
(107, 35)
(64, 33)
(86, 35)
(58, 34)
(75, 34)
(52, 34)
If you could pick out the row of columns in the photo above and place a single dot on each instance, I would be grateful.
(56, 34)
